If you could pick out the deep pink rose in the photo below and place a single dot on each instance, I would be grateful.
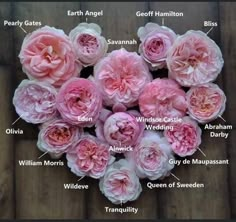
(206, 102)
(120, 183)
(163, 98)
(47, 55)
(121, 77)
(89, 157)
(35, 102)
(79, 102)
(194, 59)
(89, 45)
(155, 42)
(185, 137)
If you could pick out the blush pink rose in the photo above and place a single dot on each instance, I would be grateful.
(185, 137)
(150, 158)
(155, 42)
(79, 102)
(194, 59)
(48, 55)
(206, 102)
(163, 98)
(35, 102)
(89, 157)
(120, 183)
(121, 77)
(88, 43)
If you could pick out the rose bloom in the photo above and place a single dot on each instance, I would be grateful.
(121, 77)
(79, 102)
(88, 43)
(150, 158)
(120, 183)
(206, 102)
(185, 137)
(35, 102)
(194, 59)
(155, 42)
(57, 136)
(163, 98)
(89, 157)
(48, 55)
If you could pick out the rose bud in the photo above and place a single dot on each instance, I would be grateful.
(48, 55)
(206, 102)
(120, 183)
(35, 102)
(194, 59)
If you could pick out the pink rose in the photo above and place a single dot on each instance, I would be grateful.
(206, 102)
(89, 157)
(150, 158)
(194, 59)
(163, 98)
(185, 137)
(57, 136)
(35, 102)
(47, 55)
(89, 45)
(155, 42)
(120, 184)
(79, 102)
(121, 77)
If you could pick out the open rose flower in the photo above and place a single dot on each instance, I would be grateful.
(48, 55)
(121, 76)
(163, 98)
(194, 59)
(150, 158)
(57, 137)
(120, 183)
(35, 102)
(79, 102)
(185, 137)
(89, 45)
(89, 157)
(155, 42)
(206, 102)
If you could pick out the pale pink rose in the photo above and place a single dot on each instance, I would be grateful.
(88, 43)
(121, 77)
(120, 183)
(35, 102)
(89, 157)
(162, 98)
(194, 59)
(48, 55)
(57, 136)
(155, 42)
(185, 137)
(151, 156)
(79, 102)
(206, 102)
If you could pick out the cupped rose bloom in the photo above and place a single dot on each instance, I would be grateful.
(120, 183)
(79, 102)
(89, 157)
(206, 102)
(163, 98)
(88, 43)
(35, 102)
(155, 42)
(194, 59)
(57, 136)
(185, 137)
(151, 156)
(121, 76)
(48, 55)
